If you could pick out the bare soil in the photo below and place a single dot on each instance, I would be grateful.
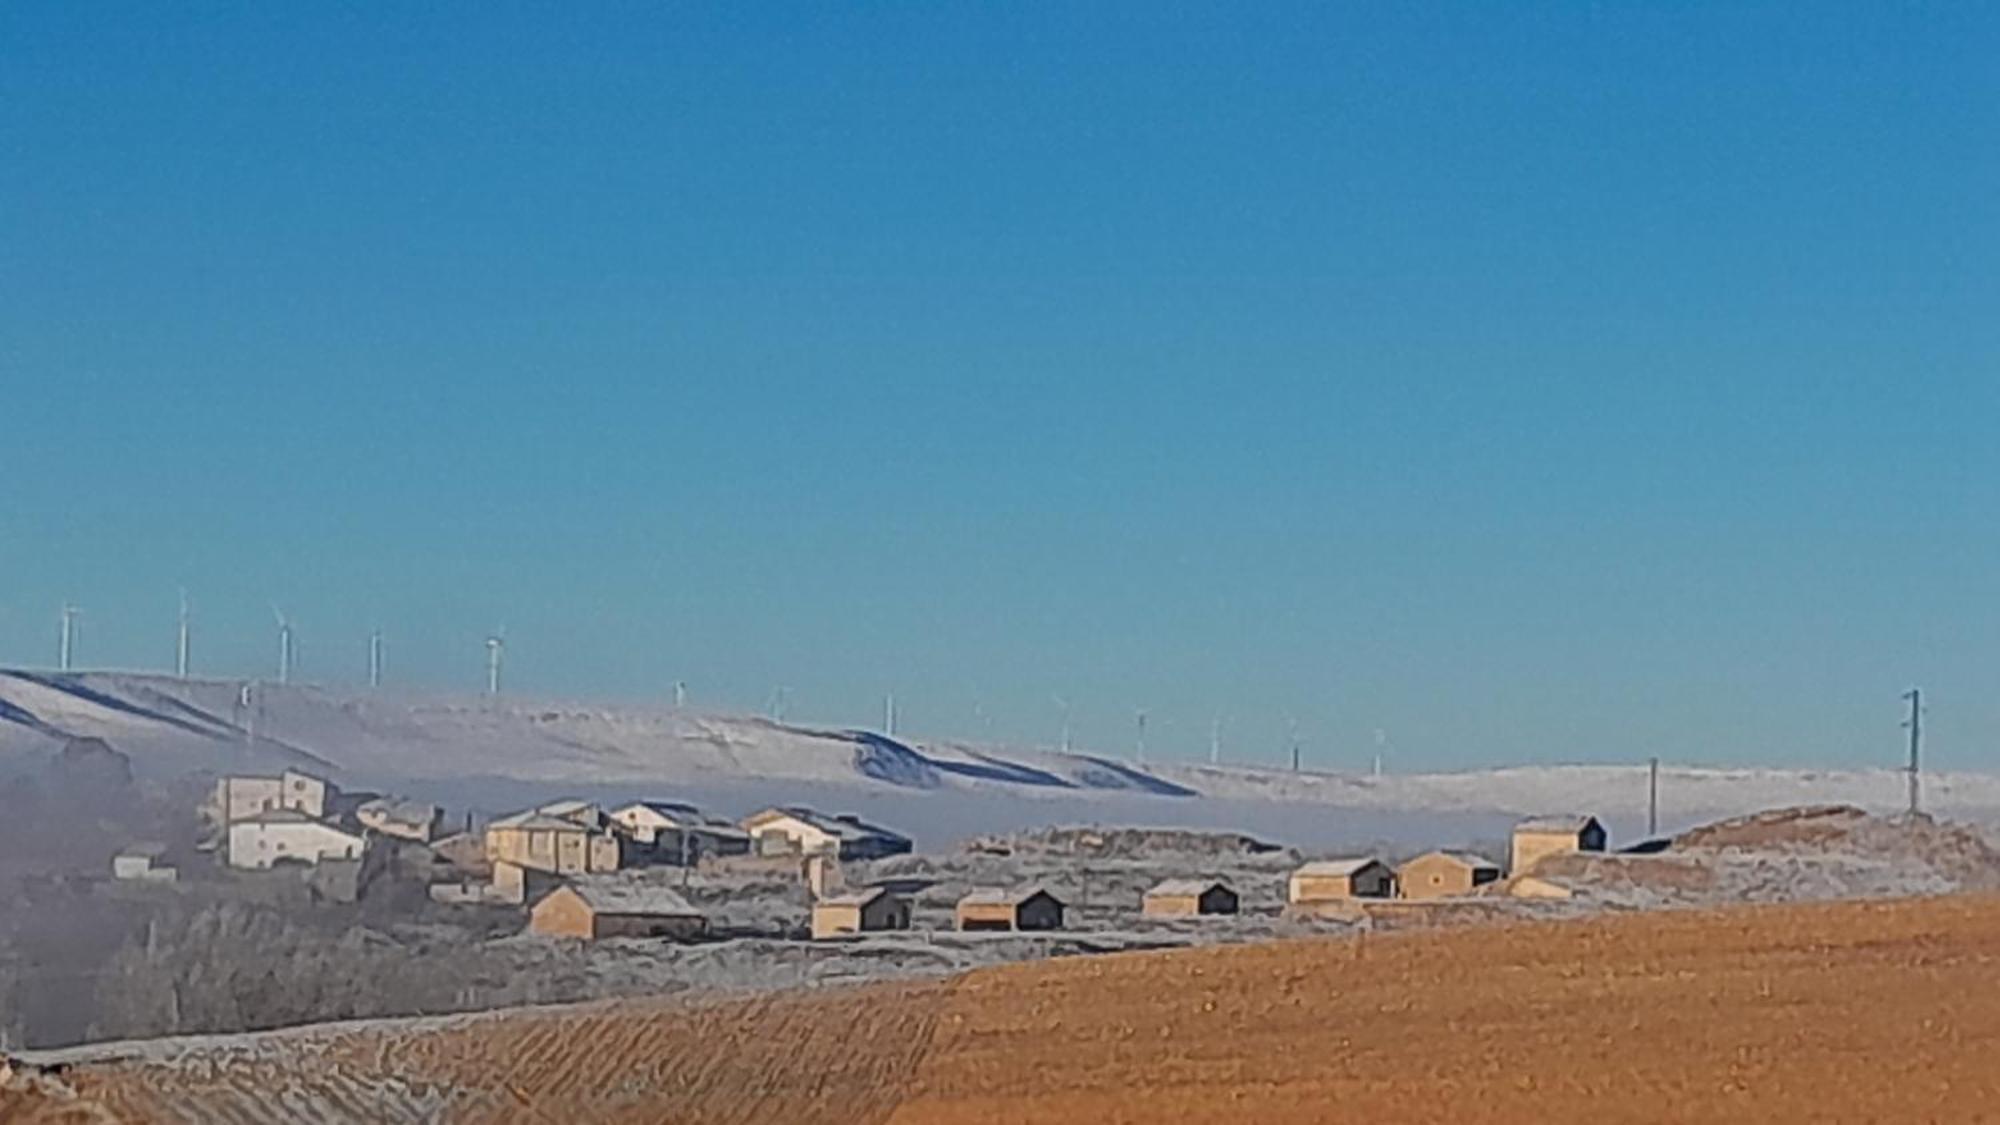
(1776, 1013)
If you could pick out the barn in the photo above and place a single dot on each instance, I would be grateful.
(1180, 898)
(594, 909)
(864, 911)
(1444, 874)
(1540, 836)
(1335, 880)
(1026, 908)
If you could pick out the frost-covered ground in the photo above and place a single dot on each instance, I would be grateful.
(494, 755)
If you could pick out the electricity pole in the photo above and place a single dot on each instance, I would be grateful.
(1653, 797)
(1915, 723)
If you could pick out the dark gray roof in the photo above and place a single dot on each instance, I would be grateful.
(1178, 887)
(1558, 822)
(623, 896)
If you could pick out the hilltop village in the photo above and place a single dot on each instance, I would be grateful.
(266, 900)
(586, 872)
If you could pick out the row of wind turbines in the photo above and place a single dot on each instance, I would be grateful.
(496, 653)
(496, 647)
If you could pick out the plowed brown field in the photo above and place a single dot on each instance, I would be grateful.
(1844, 1012)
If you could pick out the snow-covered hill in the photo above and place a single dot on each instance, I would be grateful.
(490, 753)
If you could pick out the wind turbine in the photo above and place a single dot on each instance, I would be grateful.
(1381, 744)
(375, 659)
(1215, 740)
(181, 648)
(496, 652)
(680, 694)
(1064, 704)
(889, 714)
(1139, 747)
(66, 645)
(284, 645)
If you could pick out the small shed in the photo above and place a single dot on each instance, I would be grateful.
(1333, 880)
(593, 909)
(1025, 909)
(868, 910)
(1179, 898)
(1444, 874)
(1540, 836)
(141, 863)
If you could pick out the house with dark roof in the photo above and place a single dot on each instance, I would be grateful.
(1018, 908)
(594, 909)
(867, 910)
(796, 830)
(1182, 898)
(1538, 837)
(1444, 874)
(680, 833)
(1332, 880)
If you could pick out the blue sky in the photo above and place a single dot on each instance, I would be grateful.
(1565, 383)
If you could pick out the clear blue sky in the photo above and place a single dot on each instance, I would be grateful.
(1533, 382)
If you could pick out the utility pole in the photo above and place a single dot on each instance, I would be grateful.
(1915, 723)
(1653, 797)
(252, 701)
(1139, 749)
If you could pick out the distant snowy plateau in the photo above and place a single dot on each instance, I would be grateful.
(494, 754)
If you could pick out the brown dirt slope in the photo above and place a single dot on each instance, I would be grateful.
(1831, 1012)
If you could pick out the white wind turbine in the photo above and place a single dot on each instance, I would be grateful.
(182, 649)
(285, 652)
(496, 654)
(66, 643)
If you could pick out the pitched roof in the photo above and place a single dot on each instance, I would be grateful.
(1558, 822)
(1469, 859)
(623, 896)
(400, 810)
(682, 815)
(1003, 896)
(538, 820)
(861, 897)
(1176, 887)
(841, 827)
(1336, 867)
(293, 816)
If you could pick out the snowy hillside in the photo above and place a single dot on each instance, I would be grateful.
(492, 752)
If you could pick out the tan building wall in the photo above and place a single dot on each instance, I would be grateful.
(1216, 900)
(1531, 847)
(255, 844)
(1440, 876)
(1040, 913)
(240, 798)
(788, 834)
(564, 913)
(562, 851)
(883, 912)
(1373, 881)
